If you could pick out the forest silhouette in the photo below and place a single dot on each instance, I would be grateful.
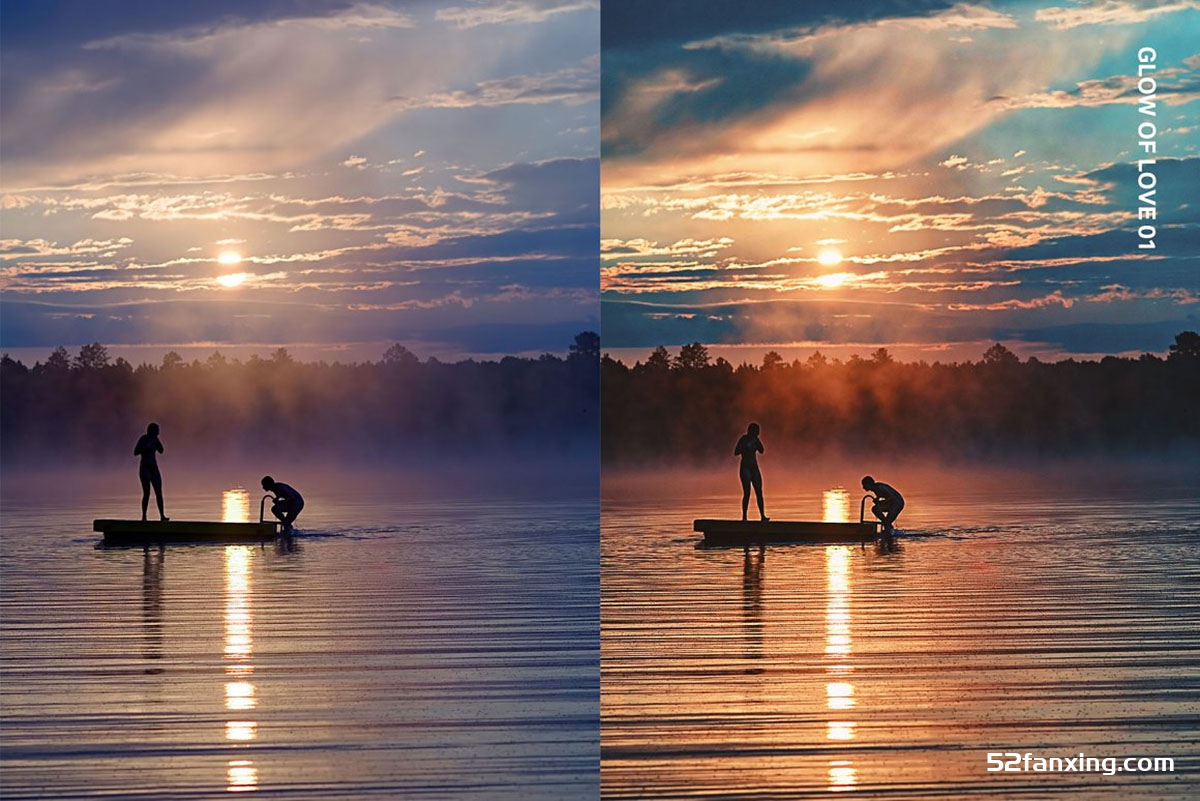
(689, 408)
(91, 408)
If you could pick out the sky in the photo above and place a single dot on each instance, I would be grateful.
(928, 177)
(325, 176)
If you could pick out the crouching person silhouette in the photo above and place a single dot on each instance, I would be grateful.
(288, 502)
(888, 503)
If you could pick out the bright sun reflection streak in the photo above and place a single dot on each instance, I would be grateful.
(230, 257)
(839, 691)
(842, 775)
(240, 695)
(242, 776)
(235, 506)
(835, 506)
(232, 280)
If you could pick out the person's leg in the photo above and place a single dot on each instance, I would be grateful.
(145, 479)
(758, 494)
(888, 518)
(290, 516)
(745, 492)
(894, 513)
(156, 482)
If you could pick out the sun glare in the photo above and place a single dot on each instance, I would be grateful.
(230, 257)
(829, 257)
(833, 280)
(231, 280)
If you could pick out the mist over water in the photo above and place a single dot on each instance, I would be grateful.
(1046, 609)
(430, 632)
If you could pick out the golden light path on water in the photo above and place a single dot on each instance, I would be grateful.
(240, 692)
(835, 505)
(839, 690)
(1005, 613)
(235, 506)
(459, 663)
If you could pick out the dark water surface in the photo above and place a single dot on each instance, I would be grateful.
(1053, 614)
(409, 643)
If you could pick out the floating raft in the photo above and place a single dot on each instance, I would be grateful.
(137, 532)
(743, 532)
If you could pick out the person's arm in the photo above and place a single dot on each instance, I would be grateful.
(737, 449)
(759, 446)
(158, 445)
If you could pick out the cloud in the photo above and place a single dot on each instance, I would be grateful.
(567, 187)
(1173, 85)
(573, 85)
(961, 16)
(864, 97)
(640, 248)
(511, 12)
(35, 248)
(237, 97)
(230, 97)
(1111, 12)
(1053, 299)
(1114, 293)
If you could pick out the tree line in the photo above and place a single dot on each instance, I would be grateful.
(91, 407)
(688, 407)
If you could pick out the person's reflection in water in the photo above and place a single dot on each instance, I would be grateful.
(286, 546)
(152, 569)
(887, 545)
(748, 447)
(752, 603)
(147, 446)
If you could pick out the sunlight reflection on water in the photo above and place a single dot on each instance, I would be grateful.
(407, 644)
(838, 644)
(235, 506)
(239, 647)
(835, 506)
(1006, 618)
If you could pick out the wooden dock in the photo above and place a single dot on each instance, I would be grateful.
(747, 532)
(138, 532)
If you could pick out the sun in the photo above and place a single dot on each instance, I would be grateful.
(834, 280)
(829, 257)
(230, 257)
(231, 280)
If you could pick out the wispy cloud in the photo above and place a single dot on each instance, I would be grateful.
(1110, 12)
(574, 85)
(510, 12)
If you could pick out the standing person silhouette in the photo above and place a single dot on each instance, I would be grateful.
(288, 502)
(748, 447)
(147, 446)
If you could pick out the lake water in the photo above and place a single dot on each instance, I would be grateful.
(1049, 612)
(409, 643)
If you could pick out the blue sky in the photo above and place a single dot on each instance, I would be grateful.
(928, 177)
(326, 176)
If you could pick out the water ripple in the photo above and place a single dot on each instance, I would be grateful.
(452, 654)
(997, 624)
